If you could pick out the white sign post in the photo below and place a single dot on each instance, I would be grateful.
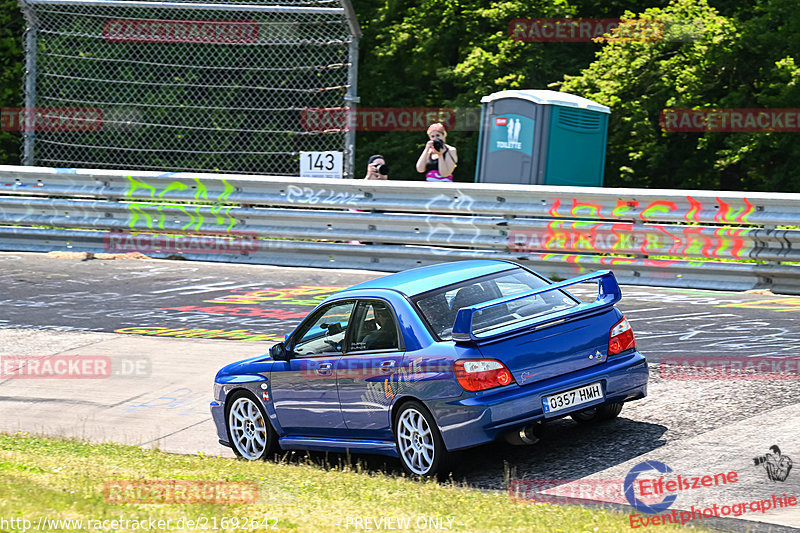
(321, 164)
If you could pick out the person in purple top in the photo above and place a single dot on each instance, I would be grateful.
(438, 160)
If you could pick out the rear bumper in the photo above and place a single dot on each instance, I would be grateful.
(480, 418)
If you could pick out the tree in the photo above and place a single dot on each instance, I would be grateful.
(711, 62)
(11, 63)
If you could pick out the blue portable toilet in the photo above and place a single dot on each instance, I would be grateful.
(541, 137)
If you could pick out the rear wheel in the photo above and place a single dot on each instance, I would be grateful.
(597, 414)
(249, 431)
(419, 443)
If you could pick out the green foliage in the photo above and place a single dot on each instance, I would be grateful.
(428, 53)
(11, 62)
(720, 63)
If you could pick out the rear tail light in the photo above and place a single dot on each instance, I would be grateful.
(481, 374)
(621, 337)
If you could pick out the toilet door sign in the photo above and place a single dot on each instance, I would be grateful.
(321, 164)
(512, 132)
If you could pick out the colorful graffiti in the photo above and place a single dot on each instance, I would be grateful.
(302, 295)
(627, 238)
(219, 212)
(279, 314)
(774, 304)
(241, 304)
(659, 210)
(200, 333)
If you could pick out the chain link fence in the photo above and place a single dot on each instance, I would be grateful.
(214, 86)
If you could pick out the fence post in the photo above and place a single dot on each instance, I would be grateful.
(31, 33)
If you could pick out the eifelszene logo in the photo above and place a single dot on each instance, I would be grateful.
(630, 494)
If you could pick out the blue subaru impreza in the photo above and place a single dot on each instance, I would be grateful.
(421, 363)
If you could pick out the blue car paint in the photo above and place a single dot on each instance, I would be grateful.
(341, 412)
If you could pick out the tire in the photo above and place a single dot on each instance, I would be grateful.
(250, 432)
(419, 443)
(597, 414)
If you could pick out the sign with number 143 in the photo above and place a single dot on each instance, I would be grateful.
(321, 164)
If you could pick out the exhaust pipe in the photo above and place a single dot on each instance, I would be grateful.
(524, 436)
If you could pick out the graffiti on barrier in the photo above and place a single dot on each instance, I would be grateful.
(633, 237)
(626, 238)
(218, 212)
(453, 230)
(307, 195)
(725, 213)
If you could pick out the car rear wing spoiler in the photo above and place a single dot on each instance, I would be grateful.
(608, 293)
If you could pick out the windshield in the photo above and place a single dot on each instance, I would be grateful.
(439, 307)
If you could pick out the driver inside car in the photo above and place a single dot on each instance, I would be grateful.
(385, 337)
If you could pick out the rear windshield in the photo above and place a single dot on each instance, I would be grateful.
(439, 307)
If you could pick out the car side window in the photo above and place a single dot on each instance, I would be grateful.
(325, 333)
(375, 327)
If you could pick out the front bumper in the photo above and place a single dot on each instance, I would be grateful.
(218, 415)
(480, 418)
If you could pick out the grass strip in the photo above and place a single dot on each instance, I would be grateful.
(61, 479)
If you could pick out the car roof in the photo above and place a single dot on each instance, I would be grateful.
(423, 279)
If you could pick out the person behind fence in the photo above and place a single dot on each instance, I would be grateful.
(377, 169)
(438, 160)
(777, 466)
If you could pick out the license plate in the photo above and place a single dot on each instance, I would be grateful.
(571, 398)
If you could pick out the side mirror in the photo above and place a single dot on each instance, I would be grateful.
(278, 352)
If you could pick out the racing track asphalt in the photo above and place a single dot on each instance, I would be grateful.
(66, 306)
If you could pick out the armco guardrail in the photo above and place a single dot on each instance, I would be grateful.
(701, 239)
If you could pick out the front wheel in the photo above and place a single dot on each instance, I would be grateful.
(249, 431)
(419, 443)
(597, 414)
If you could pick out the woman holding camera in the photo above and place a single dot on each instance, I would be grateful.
(438, 159)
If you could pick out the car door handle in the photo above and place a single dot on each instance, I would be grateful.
(387, 367)
(324, 369)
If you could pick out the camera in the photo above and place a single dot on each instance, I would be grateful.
(383, 170)
(438, 144)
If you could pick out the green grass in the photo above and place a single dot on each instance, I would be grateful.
(64, 479)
